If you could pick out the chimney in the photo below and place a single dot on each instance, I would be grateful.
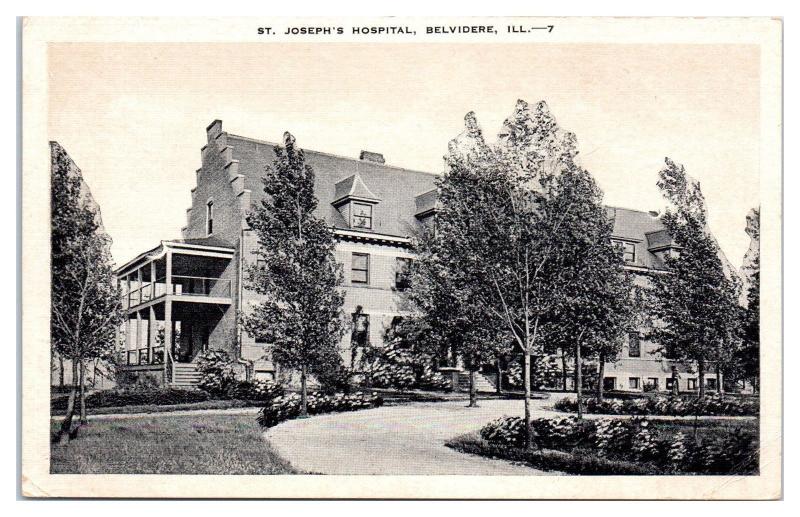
(368, 156)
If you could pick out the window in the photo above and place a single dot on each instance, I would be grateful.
(360, 268)
(209, 217)
(628, 250)
(670, 383)
(633, 383)
(361, 215)
(634, 347)
(691, 384)
(652, 383)
(711, 383)
(261, 341)
(402, 273)
(609, 383)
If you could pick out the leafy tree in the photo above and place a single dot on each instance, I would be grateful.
(86, 306)
(695, 303)
(596, 305)
(746, 358)
(501, 220)
(300, 314)
(453, 321)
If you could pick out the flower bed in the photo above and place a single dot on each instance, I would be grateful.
(670, 406)
(660, 447)
(288, 406)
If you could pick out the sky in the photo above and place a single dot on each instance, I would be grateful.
(133, 116)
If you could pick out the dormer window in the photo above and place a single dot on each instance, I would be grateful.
(210, 217)
(627, 249)
(361, 215)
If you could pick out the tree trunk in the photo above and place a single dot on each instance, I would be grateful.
(473, 390)
(526, 373)
(600, 374)
(83, 419)
(579, 379)
(499, 388)
(701, 374)
(60, 371)
(564, 369)
(66, 424)
(720, 390)
(303, 393)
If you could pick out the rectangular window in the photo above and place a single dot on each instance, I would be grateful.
(633, 383)
(360, 268)
(652, 383)
(360, 334)
(670, 383)
(634, 347)
(711, 383)
(691, 384)
(627, 249)
(361, 215)
(402, 273)
(609, 383)
(209, 218)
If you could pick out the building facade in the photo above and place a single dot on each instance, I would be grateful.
(186, 295)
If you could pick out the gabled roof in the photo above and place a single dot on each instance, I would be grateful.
(352, 187)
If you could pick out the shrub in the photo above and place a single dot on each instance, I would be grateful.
(398, 366)
(631, 440)
(216, 372)
(671, 406)
(288, 406)
(262, 390)
(135, 397)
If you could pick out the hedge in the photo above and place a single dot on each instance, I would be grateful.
(670, 406)
(287, 407)
(139, 397)
(651, 445)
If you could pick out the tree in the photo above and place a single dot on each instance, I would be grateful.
(695, 302)
(300, 315)
(504, 222)
(86, 306)
(453, 320)
(746, 357)
(596, 305)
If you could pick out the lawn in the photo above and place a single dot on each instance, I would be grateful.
(197, 444)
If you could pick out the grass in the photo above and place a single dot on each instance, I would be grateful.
(154, 408)
(198, 444)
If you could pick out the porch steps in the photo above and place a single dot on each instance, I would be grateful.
(185, 375)
(482, 382)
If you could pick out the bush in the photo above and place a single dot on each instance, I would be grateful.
(670, 406)
(216, 372)
(262, 390)
(137, 397)
(288, 406)
(400, 367)
(636, 440)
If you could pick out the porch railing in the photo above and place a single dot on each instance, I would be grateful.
(145, 356)
(169, 368)
(182, 286)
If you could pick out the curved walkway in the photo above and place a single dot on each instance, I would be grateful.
(396, 440)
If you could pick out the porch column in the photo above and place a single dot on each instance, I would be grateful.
(152, 333)
(152, 279)
(168, 305)
(138, 334)
(127, 336)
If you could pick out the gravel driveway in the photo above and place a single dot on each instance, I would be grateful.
(396, 440)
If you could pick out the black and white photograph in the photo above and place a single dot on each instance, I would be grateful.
(383, 247)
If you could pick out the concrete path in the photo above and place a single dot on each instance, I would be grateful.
(397, 440)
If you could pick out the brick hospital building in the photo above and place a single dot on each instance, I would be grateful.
(183, 296)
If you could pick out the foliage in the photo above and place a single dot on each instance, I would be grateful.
(746, 357)
(296, 276)
(289, 406)
(261, 390)
(673, 406)
(651, 444)
(696, 304)
(135, 397)
(216, 372)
